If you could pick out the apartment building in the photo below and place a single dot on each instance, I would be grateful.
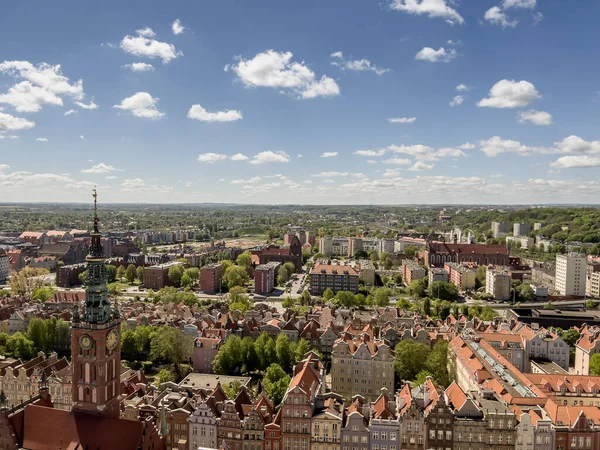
(211, 278)
(500, 229)
(462, 277)
(520, 241)
(361, 366)
(327, 424)
(438, 274)
(521, 229)
(202, 425)
(334, 277)
(592, 282)
(498, 283)
(3, 266)
(570, 278)
(265, 277)
(587, 346)
(411, 271)
(157, 277)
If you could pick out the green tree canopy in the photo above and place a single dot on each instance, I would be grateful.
(276, 381)
(245, 261)
(411, 358)
(130, 273)
(443, 290)
(595, 365)
(175, 273)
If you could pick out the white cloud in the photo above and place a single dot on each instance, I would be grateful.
(535, 117)
(575, 144)
(419, 151)
(420, 166)
(537, 17)
(357, 65)
(389, 173)
(146, 32)
(582, 161)
(299, 155)
(449, 152)
(111, 177)
(329, 154)
(81, 136)
(402, 119)
(467, 146)
(25, 97)
(328, 180)
(510, 94)
(139, 67)
(379, 152)
(250, 181)
(91, 106)
(496, 16)
(371, 161)
(71, 112)
(144, 45)
(495, 146)
(3, 136)
(199, 113)
(42, 139)
(434, 56)
(177, 27)
(530, 4)
(269, 157)
(211, 157)
(333, 174)
(462, 88)
(12, 123)
(4, 167)
(457, 100)
(141, 104)
(101, 168)
(433, 9)
(45, 76)
(277, 70)
(239, 157)
(398, 161)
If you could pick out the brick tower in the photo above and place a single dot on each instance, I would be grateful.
(96, 340)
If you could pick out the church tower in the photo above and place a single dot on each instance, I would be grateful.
(96, 340)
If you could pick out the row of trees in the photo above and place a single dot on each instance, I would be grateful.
(415, 361)
(378, 297)
(43, 335)
(246, 355)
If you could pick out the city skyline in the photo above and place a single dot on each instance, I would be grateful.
(397, 102)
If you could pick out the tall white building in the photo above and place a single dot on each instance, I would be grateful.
(500, 229)
(521, 229)
(570, 275)
(3, 266)
(497, 283)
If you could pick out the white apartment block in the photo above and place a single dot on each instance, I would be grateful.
(570, 278)
(500, 229)
(497, 283)
(3, 266)
(521, 229)
(592, 286)
(521, 241)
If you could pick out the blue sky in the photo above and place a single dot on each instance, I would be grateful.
(411, 101)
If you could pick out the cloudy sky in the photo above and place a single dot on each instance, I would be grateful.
(320, 102)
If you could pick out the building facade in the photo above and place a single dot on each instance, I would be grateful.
(334, 277)
(497, 283)
(211, 278)
(265, 277)
(570, 276)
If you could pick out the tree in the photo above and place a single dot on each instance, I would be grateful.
(165, 375)
(411, 358)
(266, 352)
(282, 276)
(417, 288)
(43, 293)
(276, 382)
(422, 377)
(129, 350)
(443, 290)
(175, 273)
(427, 306)
(166, 345)
(360, 254)
(288, 302)
(245, 261)
(410, 252)
(595, 365)
(130, 273)
(232, 389)
(120, 273)
(111, 273)
(249, 359)
(27, 280)
(193, 273)
(526, 293)
(305, 298)
(229, 358)
(235, 276)
(302, 348)
(328, 294)
(570, 336)
(437, 363)
(83, 277)
(386, 259)
(20, 346)
(139, 274)
(186, 281)
(382, 296)
(37, 332)
(345, 298)
(285, 355)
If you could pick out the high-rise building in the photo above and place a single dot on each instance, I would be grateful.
(95, 340)
(497, 283)
(211, 277)
(500, 229)
(521, 229)
(3, 266)
(570, 274)
(334, 277)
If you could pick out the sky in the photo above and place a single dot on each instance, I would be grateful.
(313, 102)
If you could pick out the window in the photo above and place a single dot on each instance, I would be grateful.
(384, 436)
(392, 438)
(375, 435)
(448, 435)
(420, 439)
(431, 434)
(374, 447)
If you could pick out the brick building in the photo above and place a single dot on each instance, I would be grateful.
(211, 278)
(157, 277)
(437, 254)
(289, 253)
(334, 277)
(265, 277)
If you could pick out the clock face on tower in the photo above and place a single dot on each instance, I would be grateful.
(112, 338)
(86, 342)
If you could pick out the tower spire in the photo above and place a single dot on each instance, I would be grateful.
(95, 195)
